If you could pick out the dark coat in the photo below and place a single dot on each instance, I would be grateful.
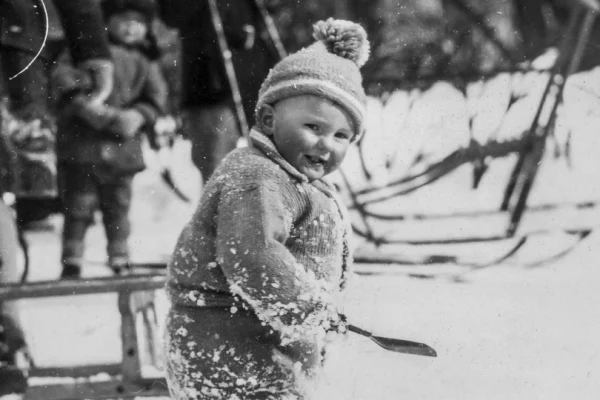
(204, 76)
(266, 235)
(22, 26)
(139, 84)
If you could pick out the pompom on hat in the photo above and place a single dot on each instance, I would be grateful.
(328, 68)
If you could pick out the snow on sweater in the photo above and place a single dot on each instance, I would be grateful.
(263, 233)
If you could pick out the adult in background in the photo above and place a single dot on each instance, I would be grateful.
(20, 32)
(22, 29)
(209, 114)
(31, 128)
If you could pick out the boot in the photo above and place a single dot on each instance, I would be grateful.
(120, 265)
(14, 360)
(70, 271)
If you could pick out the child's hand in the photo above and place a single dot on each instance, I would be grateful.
(126, 123)
(337, 324)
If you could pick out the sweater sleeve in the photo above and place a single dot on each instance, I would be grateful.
(252, 228)
(84, 28)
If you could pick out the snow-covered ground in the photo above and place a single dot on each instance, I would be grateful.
(504, 332)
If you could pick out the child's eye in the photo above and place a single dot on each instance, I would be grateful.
(342, 135)
(312, 127)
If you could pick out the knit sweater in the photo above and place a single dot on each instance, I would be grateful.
(266, 235)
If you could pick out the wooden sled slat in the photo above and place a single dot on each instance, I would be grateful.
(139, 341)
(538, 208)
(479, 227)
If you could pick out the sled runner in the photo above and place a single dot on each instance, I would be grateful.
(375, 216)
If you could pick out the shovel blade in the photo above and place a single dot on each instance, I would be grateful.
(404, 346)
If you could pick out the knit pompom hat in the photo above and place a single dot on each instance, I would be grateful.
(328, 68)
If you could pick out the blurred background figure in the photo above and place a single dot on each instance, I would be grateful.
(209, 114)
(22, 33)
(99, 146)
(28, 117)
(31, 126)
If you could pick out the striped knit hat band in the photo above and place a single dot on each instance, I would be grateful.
(329, 68)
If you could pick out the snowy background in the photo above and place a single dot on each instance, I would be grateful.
(504, 332)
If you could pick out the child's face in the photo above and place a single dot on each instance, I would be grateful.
(128, 27)
(312, 133)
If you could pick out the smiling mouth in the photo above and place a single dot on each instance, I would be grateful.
(315, 160)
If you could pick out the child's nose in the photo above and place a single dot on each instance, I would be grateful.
(326, 143)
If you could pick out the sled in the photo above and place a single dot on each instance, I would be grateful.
(139, 336)
(513, 223)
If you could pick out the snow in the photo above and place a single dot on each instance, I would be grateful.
(503, 332)
(507, 333)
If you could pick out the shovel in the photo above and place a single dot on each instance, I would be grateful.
(396, 345)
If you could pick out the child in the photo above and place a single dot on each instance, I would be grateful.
(99, 147)
(255, 272)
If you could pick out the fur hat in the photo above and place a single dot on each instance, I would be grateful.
(328, 68)
(147, 8)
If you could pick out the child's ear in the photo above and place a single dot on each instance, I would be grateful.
(266, 119)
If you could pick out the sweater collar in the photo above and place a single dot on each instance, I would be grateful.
(266, 145)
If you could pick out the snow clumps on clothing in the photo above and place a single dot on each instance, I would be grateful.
(255, 275)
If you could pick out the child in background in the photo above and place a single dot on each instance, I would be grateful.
(99, 147)
(255, 273)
